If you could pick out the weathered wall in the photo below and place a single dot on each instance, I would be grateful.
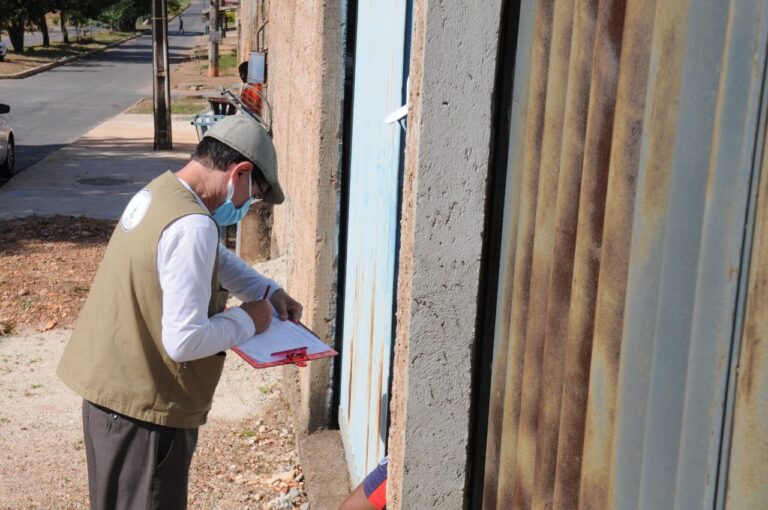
(452, 74)
(249, 21)
(304, 85)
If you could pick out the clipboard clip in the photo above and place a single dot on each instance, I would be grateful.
(296, 356)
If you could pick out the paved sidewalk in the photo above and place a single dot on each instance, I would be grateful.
(98, 174)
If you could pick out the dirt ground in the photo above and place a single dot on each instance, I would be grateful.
(246, 457)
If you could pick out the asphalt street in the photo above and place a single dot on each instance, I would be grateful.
(54, 108)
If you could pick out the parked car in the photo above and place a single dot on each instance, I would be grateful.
(3, 50)
(7, 148)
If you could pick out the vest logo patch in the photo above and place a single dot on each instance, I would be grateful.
(136, 210)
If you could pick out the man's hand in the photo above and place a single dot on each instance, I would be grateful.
(286, 306)
(260, 313)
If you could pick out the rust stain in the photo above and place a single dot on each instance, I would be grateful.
(544, 240)
(575, 127)
(575, 358)
(371, 338)
(379, 382)
(666, 51)
(529, 170)
(747, 467)
(351, 339)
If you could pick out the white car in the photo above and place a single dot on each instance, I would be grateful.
(3, 50)
(7, 148)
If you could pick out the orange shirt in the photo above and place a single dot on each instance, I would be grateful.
(251, 97)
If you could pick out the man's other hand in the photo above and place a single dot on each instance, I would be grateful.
(286, 307)
(260, 313)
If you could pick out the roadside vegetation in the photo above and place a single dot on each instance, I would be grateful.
(76, 19)
(181, 105)
(83, 25)
(38, 55)
(227, 64)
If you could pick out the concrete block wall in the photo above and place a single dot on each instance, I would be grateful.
(304, 87)
(448, 148)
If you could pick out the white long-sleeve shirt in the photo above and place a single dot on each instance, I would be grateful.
(186, 253)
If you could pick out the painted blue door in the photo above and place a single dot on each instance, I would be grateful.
(375, 161)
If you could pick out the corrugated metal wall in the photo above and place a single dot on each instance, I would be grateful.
(634, 128)
(748, 456)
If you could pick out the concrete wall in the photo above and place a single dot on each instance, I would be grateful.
(249, 20)
(453, 68)
(304, 87)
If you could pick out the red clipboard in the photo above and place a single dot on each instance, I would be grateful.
(284, 343)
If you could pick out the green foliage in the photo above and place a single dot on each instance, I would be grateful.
(122, 14)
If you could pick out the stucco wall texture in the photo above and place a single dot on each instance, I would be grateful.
(304, 86)
(453, 69)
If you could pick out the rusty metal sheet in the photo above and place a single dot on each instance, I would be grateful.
(566, 213)
(372, 232)
(543, 257)
(506, 271)
(529, 151)
(726, 195)
(747, 451)
(622, 256)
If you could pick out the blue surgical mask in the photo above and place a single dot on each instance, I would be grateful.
(227, 213)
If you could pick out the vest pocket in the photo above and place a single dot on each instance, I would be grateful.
(196, 382)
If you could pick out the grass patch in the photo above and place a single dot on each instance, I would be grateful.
(182, 105)
(226, 63)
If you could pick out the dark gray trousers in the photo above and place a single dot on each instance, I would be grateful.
(135, 465)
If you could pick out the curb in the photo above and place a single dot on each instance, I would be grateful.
(66, 60)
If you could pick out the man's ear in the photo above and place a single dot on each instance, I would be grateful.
(242, 168)
(237, 170)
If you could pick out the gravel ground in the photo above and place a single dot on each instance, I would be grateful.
(246, 456)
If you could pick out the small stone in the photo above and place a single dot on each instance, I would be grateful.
(23, 292)
(286, 476)
(262, 429)
(305, 506)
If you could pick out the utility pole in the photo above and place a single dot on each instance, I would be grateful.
(161, 85)
(213, 40)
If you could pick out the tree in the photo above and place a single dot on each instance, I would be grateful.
(21, 15)
(122, 14)
(75, 11)
(13, 15)
(36, 12)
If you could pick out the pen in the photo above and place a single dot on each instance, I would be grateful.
(266, 292)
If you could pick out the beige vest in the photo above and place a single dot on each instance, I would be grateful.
(115, 357)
